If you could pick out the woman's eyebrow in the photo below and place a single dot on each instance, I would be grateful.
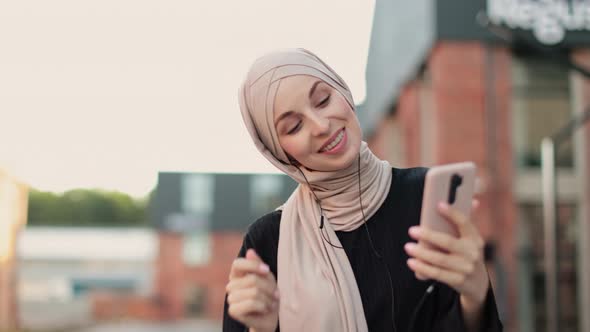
(284, 115)
(313, 87)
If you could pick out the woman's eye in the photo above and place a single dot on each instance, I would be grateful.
(324, 101)
(295, 129)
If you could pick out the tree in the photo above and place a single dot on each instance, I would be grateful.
(87, 207)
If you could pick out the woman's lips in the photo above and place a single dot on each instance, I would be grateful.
(340, 146)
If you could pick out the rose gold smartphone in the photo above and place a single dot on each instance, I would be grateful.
(453, 184)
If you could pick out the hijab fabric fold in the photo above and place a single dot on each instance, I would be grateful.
(317, 285)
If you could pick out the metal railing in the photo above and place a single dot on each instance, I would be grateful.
(549, 148)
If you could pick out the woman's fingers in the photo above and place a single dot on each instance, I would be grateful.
(438, 239)
(457, 218)
(252, 255)
(454, 260)
(466, 228)
(242, 266)
(468, 247)
(252, 294)
(241, 309)
(252, 288)
(451, 278)
(436, 258)
(264, 284)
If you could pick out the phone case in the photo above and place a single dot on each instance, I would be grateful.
(442, 184)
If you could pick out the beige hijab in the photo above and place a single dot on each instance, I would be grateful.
(317, 285)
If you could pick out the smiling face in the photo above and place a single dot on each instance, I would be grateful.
(315, 124)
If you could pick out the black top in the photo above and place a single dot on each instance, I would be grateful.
(388, 229)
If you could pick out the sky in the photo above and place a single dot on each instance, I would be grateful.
(104, 94)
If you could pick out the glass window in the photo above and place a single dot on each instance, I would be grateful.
(265, 193)
(196, 249)
(541, 106)
(197, 194)
(197, 202)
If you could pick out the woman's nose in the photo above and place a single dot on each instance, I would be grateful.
(320, 124)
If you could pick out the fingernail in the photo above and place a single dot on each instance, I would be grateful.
(414, 230)
(443, 206)
(264, 268)
(410, 246)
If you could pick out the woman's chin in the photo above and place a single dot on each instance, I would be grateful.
(335, 165)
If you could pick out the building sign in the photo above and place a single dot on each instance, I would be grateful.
(548, 20)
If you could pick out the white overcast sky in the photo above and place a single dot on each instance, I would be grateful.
(105, 94)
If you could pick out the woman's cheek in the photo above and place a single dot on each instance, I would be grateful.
(292, 148)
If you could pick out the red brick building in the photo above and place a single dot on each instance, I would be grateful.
(201, 220)
(441, 89)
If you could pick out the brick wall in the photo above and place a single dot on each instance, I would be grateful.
(174, 278)
(409, 118)
(397, 137)
(170, 275)
(108, 306)
(214, 276)
(174, 282)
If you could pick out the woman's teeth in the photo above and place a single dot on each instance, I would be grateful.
(334, 142)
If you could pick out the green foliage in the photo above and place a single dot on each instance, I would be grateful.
(86, 207)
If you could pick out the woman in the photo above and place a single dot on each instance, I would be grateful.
(339, 255)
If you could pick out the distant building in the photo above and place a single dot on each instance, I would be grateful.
(201, 219)
(13, 216)
(176, 269)
(66, 272)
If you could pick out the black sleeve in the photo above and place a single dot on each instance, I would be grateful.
(452, 318)
(263, 236)
(230, 324)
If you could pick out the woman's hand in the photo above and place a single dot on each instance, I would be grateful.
(253, 296)
(457, 262)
